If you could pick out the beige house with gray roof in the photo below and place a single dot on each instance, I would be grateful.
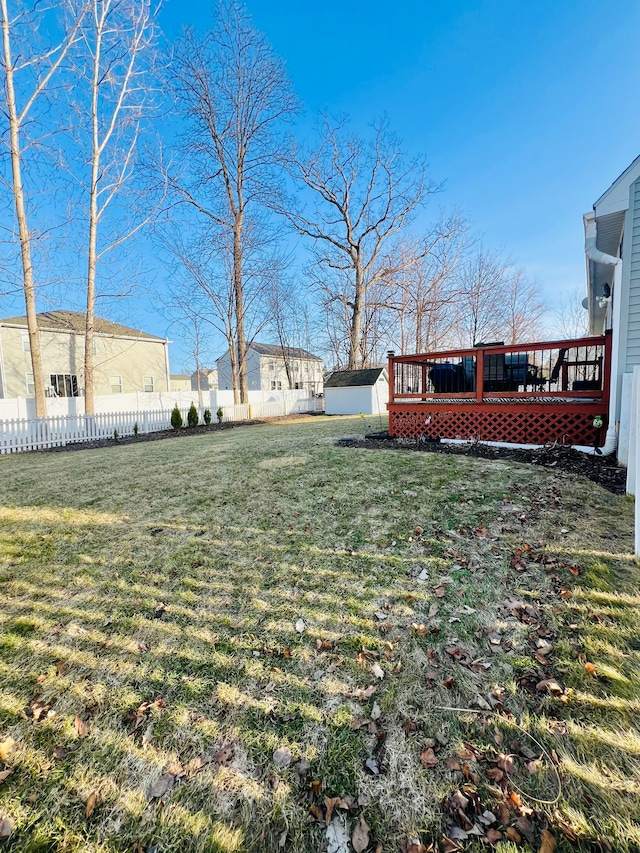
(126, 359)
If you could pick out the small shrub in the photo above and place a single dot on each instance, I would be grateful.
(135, 429)
(220, 414)
(176, 417)
(207, 416)
(116, 435)
(192, 416)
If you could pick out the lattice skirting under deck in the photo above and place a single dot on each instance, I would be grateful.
(564, 423)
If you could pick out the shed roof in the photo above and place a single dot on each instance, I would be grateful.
(354, 378)
(75, 321)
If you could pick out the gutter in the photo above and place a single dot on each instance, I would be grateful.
(594, 254)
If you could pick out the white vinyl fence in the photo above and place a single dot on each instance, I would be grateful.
(20, 434)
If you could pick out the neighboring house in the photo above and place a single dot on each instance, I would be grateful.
(612, 247)
(271, 367)
(208, 379)
(180, 382)
(353, 392)
(125, 359)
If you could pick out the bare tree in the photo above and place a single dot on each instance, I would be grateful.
(116, 67)
(428, 288)
(523, 308)
(233, 91)
(26, 80)
(480, 309)
(570, 318)
(363, 195)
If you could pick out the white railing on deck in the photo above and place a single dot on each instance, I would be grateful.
(17, 435)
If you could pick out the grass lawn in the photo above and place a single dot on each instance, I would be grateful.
(256, 640)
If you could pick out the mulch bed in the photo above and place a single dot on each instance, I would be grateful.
(602, 470)
(149, 436)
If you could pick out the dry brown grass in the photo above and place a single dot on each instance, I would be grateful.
(240, 534)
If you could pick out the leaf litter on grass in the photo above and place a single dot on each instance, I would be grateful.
(234, 573)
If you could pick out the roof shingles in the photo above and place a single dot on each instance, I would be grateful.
(74, 321)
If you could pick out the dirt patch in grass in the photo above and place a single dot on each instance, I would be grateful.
(201, 652)
(599, 469)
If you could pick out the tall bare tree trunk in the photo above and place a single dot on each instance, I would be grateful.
(239, 304)
(23, 228)
(89, 384)
(355, 333)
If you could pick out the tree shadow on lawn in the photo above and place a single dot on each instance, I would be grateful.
(176, 643)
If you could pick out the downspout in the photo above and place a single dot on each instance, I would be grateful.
(594, 254)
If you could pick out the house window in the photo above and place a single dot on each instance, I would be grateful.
(64, 384)
(30, 384)
(25, 342)
(271, 366)
(148, 383)
(276, 386)
(115, 383)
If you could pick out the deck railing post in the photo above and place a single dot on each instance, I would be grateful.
(479, 375)
(606, 378)
(391, 375)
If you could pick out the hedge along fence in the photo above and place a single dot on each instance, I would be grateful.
(17, 435)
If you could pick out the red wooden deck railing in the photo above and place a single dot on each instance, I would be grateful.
(535, 393)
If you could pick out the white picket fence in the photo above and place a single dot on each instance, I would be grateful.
(17, 435)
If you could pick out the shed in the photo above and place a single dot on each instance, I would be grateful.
(354, 392)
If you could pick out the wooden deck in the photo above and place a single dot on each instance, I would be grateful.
(535, 393)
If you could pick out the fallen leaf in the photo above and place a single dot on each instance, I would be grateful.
(408, 725)
(377, 670)
(360, 836)
(525, 827)
(493, 836)
(161, 786)
(513, 834)
(6, 748)
(590, 667)
(5, 773)
(428, 758)
(376, 711)
(549, 843)
(7, 826)
(551, 686)
(81, 727)
(61, 668)
(300, 626)
(337, 837)
(372, 766)
(330, 804)
(317, 812)
(60, 753)
(90, 804)
(158, 613)
(39, 710)
(282, 757)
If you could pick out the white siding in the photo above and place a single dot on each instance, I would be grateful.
(632, 251)
(356, 400)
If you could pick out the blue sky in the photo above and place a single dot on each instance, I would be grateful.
(526, 111)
